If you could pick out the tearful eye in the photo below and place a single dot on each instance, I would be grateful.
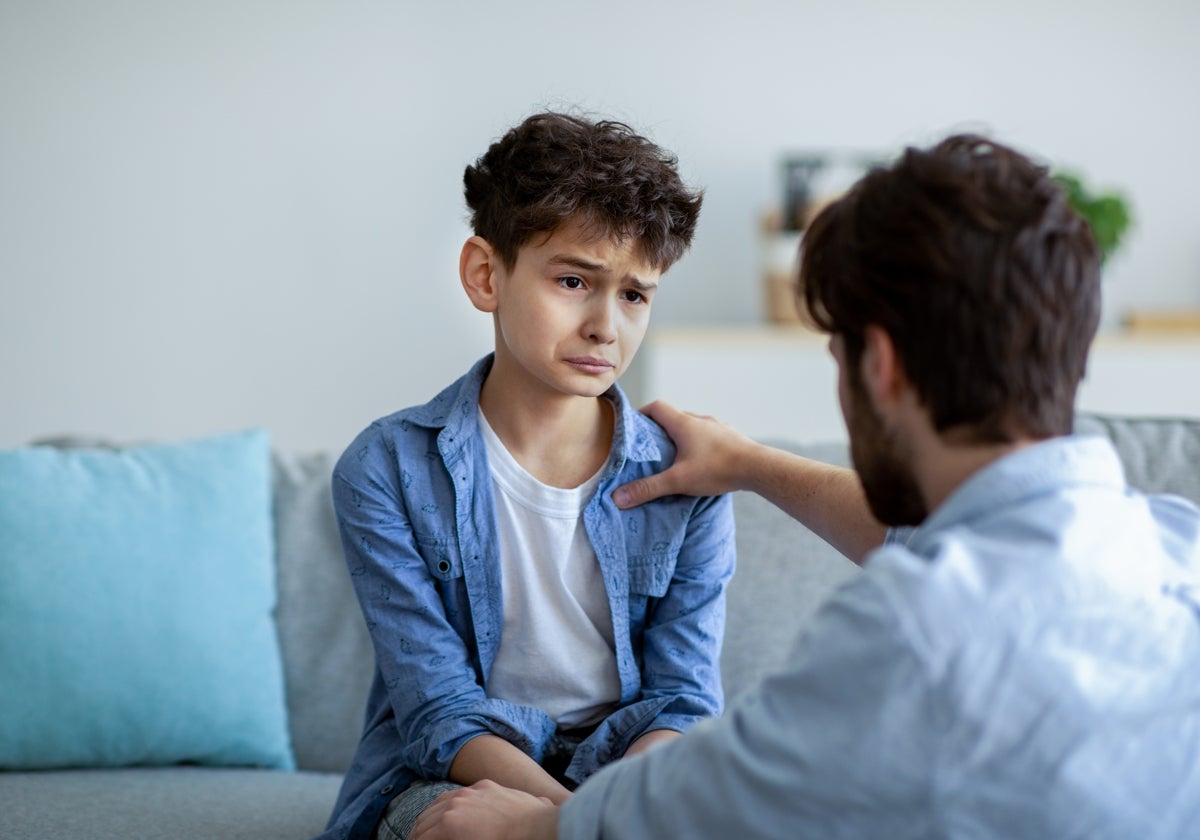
(570, 282)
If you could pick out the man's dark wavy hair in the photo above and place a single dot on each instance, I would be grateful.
(968, 255)
(554, 167)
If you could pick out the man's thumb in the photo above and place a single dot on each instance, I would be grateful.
(639, 491)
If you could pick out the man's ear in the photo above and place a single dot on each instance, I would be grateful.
(477, 267)
(882, 371)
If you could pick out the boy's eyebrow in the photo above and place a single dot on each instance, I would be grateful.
(572, 261)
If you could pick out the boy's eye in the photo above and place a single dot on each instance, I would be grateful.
(571, 282)
(633, 297)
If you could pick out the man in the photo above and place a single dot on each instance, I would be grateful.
(1022, 662)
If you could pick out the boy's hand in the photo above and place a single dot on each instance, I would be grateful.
(710, 459)
(488, 811)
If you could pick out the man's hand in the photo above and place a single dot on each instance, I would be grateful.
(710, 459)
(487, 811)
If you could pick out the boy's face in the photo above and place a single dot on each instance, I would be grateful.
(573, 310)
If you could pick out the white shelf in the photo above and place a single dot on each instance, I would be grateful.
(777, 382)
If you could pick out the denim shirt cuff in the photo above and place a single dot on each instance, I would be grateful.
(613, 737)
(677, 722)
(527, 728)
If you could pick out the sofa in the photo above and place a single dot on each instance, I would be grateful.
(323, 655)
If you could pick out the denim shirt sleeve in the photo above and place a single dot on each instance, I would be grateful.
(423, 658)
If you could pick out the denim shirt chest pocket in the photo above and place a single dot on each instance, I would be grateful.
(444, 564)
(650, 572)
(651, 563)
(442, 561)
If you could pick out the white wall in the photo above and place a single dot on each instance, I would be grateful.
(247, 212)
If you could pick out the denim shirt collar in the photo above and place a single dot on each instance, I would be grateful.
(454, 411)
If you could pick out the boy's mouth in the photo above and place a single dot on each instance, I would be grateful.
(590, 364)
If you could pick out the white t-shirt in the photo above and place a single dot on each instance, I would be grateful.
(556, 646)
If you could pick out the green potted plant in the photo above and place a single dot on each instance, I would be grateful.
(1107, 213)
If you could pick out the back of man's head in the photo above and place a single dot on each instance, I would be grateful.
(988, 283)
(556, 167)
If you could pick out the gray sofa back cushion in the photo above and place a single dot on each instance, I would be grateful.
(784, 571)
(328, 659)
(1160, 455)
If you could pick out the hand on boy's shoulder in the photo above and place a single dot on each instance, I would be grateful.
(707, 455)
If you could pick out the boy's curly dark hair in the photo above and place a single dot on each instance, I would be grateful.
(554, 167)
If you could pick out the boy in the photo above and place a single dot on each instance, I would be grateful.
(526, 630)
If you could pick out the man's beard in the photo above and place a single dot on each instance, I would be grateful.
(878, 458)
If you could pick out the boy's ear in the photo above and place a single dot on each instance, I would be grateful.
(477, 267)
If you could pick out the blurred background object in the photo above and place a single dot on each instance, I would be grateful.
(1107, 212)
(811, 180)
(224, 213)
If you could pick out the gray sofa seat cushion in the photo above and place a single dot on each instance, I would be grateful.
(158, 802)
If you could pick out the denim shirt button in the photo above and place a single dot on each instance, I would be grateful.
(443, 566)
(387, 789)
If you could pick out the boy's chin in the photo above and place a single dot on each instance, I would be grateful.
(589, 393)
(590, 388)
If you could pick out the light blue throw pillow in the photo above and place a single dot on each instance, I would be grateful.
(137, 589)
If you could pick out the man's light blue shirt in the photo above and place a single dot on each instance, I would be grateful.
(1026, 663)
(413, 496)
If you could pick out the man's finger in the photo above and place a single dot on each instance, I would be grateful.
(428, 818)
(641, 490)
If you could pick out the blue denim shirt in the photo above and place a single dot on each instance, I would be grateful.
(1025, 664)
(413, 496)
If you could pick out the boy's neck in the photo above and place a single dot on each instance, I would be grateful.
(559, 439)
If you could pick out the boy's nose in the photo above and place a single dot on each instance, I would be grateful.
(601, 325)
